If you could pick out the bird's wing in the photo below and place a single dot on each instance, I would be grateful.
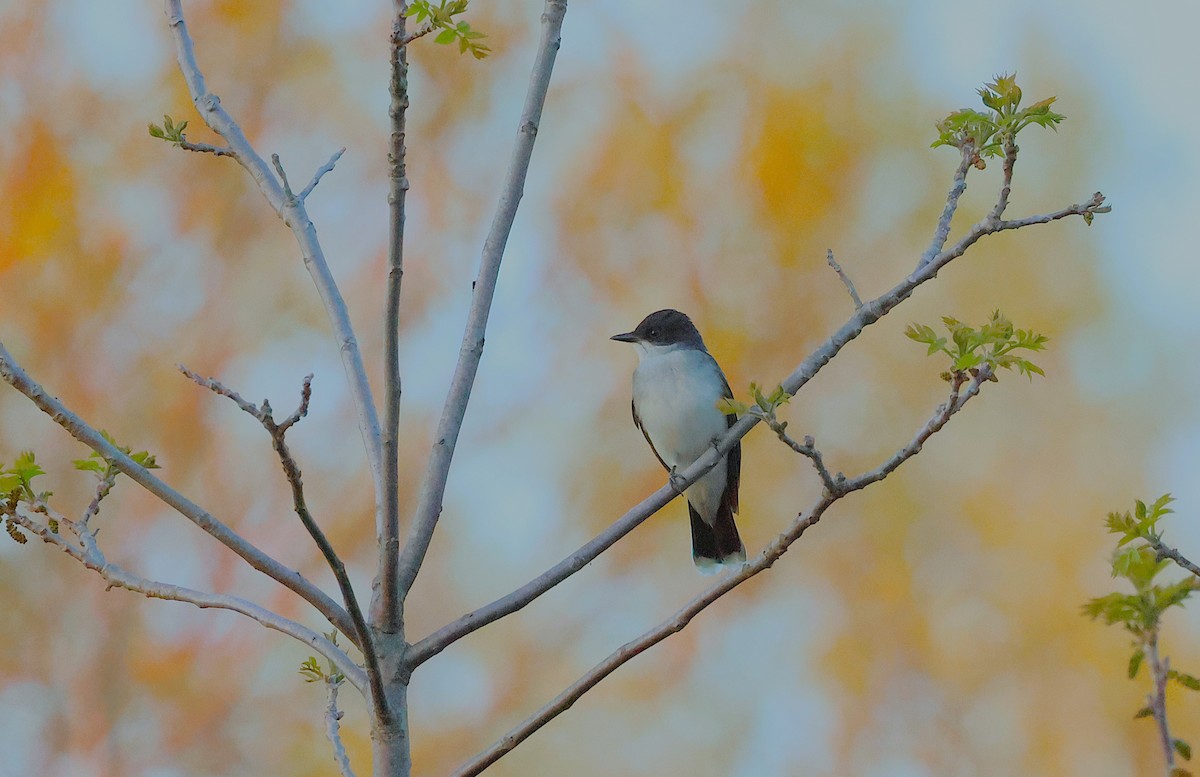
(638, 423)
(733, 461)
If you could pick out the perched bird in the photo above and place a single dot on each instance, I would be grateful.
(676, 388)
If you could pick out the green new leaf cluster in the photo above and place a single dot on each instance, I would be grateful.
(16, 482)
(764, 406)
(441, 17)
(16, 486)
(169, 131)
(990, 130)
(311, 669)
(1140, 613)
(992, 344)
(103, 468)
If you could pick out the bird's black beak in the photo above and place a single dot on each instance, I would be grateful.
(627, 337)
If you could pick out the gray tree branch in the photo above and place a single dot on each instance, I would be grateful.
(333, 720)
(88, 553)
(291, 209)
(11, 373)
(385, 605)
(291, 469)
(433, 485)
(863, 317)
(684, 615)
(1165, 551)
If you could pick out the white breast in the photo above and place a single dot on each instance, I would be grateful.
(676, 394)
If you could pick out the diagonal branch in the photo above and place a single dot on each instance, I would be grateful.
(12, 374)
(849, 284)
(958, 185)
(433, 485)
(1162, 551)
(88, 553)
(293, 213)
(684, 615)
(863, 317)
(361, 635)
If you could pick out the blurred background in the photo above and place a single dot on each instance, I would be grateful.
(699, 155)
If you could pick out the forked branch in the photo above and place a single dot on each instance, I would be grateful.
(11, 373)
(862, 317)
(760, 563)
(433, 485)
(291, 469)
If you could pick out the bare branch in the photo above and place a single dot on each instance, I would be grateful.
(103, 489)
(837, 268)
(1010, 160)
(433, 485)
(365, 640)
(863, 317)
(361, 634)
(957, 186)
(12, 374)
(684, 615)
(420, 32)
(385, 601)
(1164, 551)
(321, 171)
(287, 187)
(88, 553)
(292, 211)
(205, 148)
(1160, 668)
(217, 387)
(808, 448)
(333, 718)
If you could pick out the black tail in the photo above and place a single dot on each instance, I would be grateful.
(716, 544)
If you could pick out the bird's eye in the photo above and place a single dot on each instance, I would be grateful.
(653, 332)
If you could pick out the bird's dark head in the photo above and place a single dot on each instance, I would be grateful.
(664, 328)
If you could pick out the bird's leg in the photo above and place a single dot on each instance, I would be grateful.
(676, 481)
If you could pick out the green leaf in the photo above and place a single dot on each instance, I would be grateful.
(1183, 748)
(445, 36)
(1186, 680)
(1135, 662)
(1144, 712)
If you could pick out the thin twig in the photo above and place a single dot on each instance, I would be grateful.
(433, 485)
(420, 32)
(1010, 160)
(103, 489)
(283, 179)
(837, 268)
(1160, 668)
(292, 212)
(385, 601)
(958, 185)
(205, 148)
(89, 554)
(684, 615)
(12, 373)
(868, 314)
(321, 171)
(291, 469)
(808, 448)
(333, 719)
(1165, 551)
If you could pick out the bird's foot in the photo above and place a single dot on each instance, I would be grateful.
(677, 481)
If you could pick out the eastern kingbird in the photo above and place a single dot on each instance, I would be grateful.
(676, 388)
